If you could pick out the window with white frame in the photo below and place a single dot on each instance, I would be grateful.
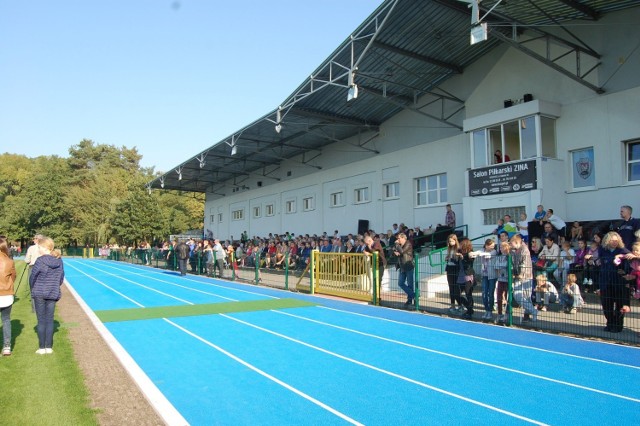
(219, 217)
(514, 140)
(269, 210)
(308, 204)
(431, 190)
(583, 168)
(361, 195)
(212, 218)
(257, 212)
(632, 157)
(237, 214)
(336, 199)
(391, 190)
(290, 206)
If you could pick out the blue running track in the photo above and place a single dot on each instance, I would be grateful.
(341, 363)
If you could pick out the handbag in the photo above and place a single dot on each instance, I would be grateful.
(541, 263)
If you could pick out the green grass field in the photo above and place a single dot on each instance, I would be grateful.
(40, 389)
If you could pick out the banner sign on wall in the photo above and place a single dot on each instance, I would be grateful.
(503, 178)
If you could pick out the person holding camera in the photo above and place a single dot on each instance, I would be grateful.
(404, 252)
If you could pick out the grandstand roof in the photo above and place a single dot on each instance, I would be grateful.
(398, 58)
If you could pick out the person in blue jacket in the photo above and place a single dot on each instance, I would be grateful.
(45, 280)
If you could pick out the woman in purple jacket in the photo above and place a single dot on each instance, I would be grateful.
(45, 280)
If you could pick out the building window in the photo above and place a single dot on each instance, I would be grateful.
(211, 218)
(290, 206)
(237, 214)
(219, 217)
(269, 210)
(583, 168)
(391, 190)
(257, 212)
(336, 199)
(632, 149)
(491, 216)
(431, 190)
(514, 140)
(307, 204)
(361, 195)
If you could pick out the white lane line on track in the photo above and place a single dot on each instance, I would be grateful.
(143, 286)
(162, 281)
(187, 278)
(389, 373)
(486, 364)
(265, 374)
(471, 336)
(106, 286)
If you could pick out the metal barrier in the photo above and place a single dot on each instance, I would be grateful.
(348, 275)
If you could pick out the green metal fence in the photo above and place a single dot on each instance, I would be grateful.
(432, 289)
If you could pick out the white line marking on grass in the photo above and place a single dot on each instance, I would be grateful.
(461, 358)
(471, 336)
(166, 282)
(387, 372)
(187, 278)
(142, 285)
(265, 374)
(106, 286)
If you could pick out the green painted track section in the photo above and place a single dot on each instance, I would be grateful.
(193, 310)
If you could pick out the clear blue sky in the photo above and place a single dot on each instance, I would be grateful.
(168, 77)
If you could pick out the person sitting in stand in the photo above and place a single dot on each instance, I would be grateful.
(550, 254)
(498, 158)
(540, 214)
(499, 227)
(557, 223)
(566, 259)
(634, 270)
(546, 292)
(571, 299)
(510, 226)
(523, 227)
(576, 233)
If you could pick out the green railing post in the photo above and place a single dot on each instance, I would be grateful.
(286, 271)
(509, 290)
(256, 264)
(375, 274)
(416, 281)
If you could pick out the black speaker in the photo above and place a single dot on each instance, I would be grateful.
(508, 103)
(528, 97)
(363, 226)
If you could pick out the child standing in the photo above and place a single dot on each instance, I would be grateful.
(501, 265)
(571, 298)
(489, 276)
(591, 267)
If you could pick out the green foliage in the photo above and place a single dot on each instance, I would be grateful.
(95, 196)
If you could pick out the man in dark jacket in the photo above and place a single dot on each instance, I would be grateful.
(182, 251)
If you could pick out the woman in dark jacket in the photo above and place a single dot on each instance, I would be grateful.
(614, 295)
(45, 280)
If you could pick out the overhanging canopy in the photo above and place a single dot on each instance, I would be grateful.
(396, 60)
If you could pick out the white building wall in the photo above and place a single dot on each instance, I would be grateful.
(412, 146)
